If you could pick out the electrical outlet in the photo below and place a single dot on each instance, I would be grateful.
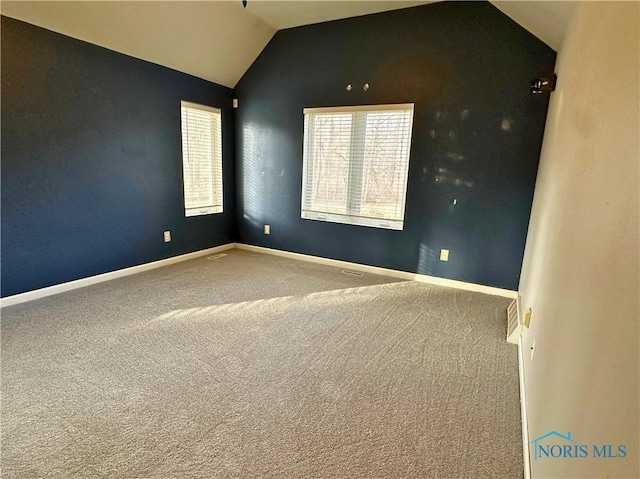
(533, 348)
(444, 255)
(267, 229)
(167, 236)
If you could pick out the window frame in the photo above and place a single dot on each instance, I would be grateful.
(355, 174)
(216, 178)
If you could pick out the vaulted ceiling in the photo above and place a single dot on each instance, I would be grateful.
(219, 40)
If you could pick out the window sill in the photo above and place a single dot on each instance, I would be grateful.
(354, 220)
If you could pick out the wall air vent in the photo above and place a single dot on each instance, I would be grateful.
(514, 322)
(217, 256)
(352, 273)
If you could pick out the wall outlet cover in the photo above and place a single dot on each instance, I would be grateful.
(444, 255)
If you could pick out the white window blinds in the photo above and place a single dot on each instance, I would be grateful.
(201, 159)
(356, 162)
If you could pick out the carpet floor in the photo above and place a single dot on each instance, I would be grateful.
(252, 365)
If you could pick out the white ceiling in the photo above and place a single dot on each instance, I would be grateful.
(548, 20)
(288, 14)
(219, 40)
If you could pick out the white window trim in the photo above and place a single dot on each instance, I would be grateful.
(353, 220)
(198, 106)
(351, 109)
(217, 169)
(345, 218)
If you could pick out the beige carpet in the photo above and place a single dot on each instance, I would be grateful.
(258, 366)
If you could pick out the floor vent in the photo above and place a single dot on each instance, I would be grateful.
(352, 273)
(514, 322)
(217, 256)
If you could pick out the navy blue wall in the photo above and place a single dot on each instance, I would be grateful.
(477, 136)
(91, 160)
(91, 154)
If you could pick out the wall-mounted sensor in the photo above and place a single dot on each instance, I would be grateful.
(539, 85)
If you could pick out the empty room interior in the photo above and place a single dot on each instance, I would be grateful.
(305, 239)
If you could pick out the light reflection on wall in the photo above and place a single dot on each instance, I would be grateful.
(427, 259)
(449, 147)
(253, 184)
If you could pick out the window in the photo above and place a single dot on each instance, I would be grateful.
(201, 159)
(356, 161)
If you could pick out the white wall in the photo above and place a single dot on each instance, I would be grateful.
(581, 267)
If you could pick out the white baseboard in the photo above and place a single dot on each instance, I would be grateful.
(523, 413)
(384, 271)
(81, 283)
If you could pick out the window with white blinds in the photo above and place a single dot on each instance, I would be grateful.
(356, 162)
(201, 159)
